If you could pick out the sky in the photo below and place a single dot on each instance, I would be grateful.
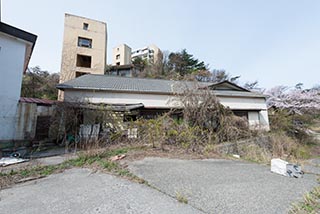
(276, 42)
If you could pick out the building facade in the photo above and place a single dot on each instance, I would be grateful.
(150, 53)
(157, 95)
(84, 48)
(16, 47)
(121, 55)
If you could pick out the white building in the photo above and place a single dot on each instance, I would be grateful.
(150, 53)
(121, 55)
(16, 47)
(152, 96)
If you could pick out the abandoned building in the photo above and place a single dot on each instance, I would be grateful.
(151, 97)
(16, 47)
(84, 48)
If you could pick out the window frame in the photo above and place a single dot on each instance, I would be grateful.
(82, 42)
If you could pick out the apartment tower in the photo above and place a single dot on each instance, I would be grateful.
(121, 55)
(150, 53)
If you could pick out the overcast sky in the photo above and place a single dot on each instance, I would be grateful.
(276, 42)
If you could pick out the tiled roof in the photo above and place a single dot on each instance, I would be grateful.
(115, 83)
(141, 85)
(37, 101)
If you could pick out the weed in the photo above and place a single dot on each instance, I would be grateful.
(115, 152)
(181, 198)
(108, 165)
(310, 203)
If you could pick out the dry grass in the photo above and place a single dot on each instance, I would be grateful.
(181, 198)
(277, 145)
(310, 203)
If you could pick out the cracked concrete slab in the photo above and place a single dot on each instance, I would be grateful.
(82, 191)
(224, 186)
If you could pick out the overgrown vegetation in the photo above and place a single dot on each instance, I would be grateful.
(98, 159)
(310, 203)
(293, 125)
(35, 172)
(37, 83)
(205, 122)
(270, 145)
(69, 116)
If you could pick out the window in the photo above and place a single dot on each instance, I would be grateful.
(85, 26)
(118, 63)
(240, 113)
(118, 56)
(83, 61)
(84, 42)
(79, 74)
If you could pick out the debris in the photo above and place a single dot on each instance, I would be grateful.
(89, 132)
(279, 166)
(15, 155)
(294, 171)
(11, 160)
(284, 168)
(236, 156)
(117, 157)
(133, 133)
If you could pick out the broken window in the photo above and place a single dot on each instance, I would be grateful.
(79, 74)
(83, 61)
(85, 26)
(84, 42)
(239, 113)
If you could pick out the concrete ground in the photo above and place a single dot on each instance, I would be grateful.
(210, 186)
(82, 191)
(224, 186)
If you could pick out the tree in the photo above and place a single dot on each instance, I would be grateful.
(295, 100)
(139, 63)
(184, 63)
(37, 83)
(180, 65)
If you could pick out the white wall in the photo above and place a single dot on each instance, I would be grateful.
(258, 116)
(12, 56)
(257, 108)
(149, 100)
(241, 103)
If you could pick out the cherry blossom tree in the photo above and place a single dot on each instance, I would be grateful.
(294, 100)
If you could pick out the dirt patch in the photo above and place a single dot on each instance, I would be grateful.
(139, 153)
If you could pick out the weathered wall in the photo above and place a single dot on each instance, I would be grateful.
(12, 55)
(26, 121)
(27, 114)
(73, 28)
(149, 100)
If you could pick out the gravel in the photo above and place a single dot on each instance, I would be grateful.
(82, 191)
(224, 186)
